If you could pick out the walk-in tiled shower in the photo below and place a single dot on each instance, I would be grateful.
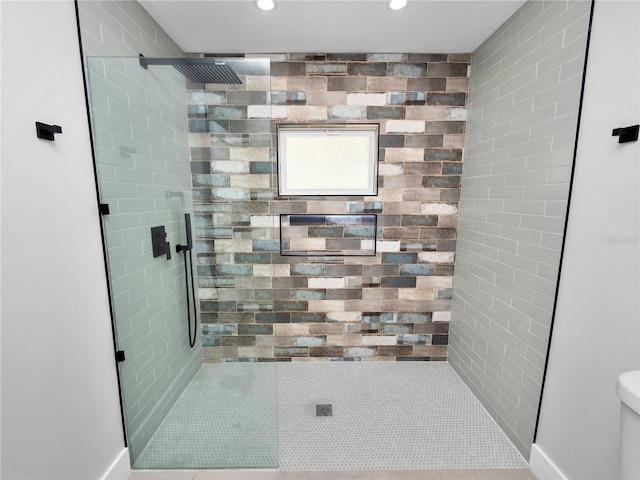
(280, 335)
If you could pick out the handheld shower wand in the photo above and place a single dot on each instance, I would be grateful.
(184, 249)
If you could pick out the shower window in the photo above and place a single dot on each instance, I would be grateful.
(328, 159)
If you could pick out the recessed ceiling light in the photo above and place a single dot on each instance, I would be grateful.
(266, 5)
(397, 4)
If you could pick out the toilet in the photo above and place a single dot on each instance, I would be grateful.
(628, 389)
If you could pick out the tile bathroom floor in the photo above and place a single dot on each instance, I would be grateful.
(390, 420)
(479, 474)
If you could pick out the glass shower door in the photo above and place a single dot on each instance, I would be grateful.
(178, 412)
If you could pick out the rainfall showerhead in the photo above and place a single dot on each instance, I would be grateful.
(208, 73)
(198, 70)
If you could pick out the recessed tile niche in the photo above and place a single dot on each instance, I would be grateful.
(328, 235)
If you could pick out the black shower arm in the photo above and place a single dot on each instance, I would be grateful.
(146, 61)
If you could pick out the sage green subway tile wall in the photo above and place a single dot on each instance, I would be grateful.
(140, 134)
(524, 94)
(395, 305)
(122, 29)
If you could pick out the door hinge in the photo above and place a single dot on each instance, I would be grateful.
(120, 356)
(104, 209)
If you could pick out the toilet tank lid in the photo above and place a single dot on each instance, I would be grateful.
(628, 389)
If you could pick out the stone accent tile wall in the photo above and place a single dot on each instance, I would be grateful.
(258, 305)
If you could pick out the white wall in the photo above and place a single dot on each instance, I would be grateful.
(60, 411)
(596, 334)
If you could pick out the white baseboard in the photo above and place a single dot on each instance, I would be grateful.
(542, 467)
(120, 469)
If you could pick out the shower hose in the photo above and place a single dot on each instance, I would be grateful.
(192, 337)
(184, 249)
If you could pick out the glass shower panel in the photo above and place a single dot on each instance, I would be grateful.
(171, 400)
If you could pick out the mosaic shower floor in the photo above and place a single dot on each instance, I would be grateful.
(385, 416)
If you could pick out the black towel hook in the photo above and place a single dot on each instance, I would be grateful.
(45, 132)
(626, 134)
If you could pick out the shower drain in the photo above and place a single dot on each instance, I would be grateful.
(324, 410)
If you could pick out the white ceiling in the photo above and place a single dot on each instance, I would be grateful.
(330, 26)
